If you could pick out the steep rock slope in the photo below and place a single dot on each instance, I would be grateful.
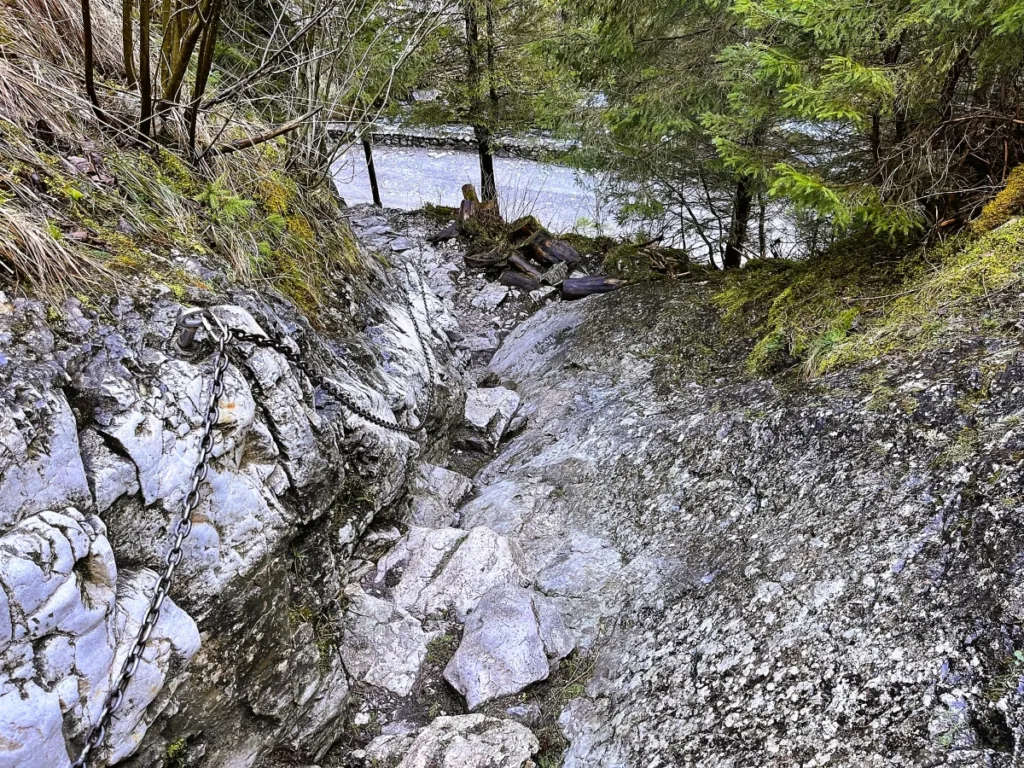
(785, 574)
(101, 415)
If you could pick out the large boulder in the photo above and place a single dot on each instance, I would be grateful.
(509, 642)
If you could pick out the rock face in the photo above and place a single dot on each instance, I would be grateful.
(67, 620)
(101, 412)
(741, 571)
(800, 576)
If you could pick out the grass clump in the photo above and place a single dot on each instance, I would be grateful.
(843, 308)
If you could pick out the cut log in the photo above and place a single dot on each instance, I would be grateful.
(467, 210)
(448, 233)
(518, 280)
(518, 262)
(522, 229)
(545, 248)
(485, 259)
(533, 240)
(578, 287)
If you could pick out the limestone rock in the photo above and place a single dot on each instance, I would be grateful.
(509, 641)
(382, 645)
(110, 476)
(65, 628)
(472, 741)
(491, 297)
(555, 275)
(436, 492)
(448, 569)
(40, 463)
(489, 411)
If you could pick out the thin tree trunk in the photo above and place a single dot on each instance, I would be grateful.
(762, 239)
(488, 189)
(128, 43)
(488, 185)
(203, 66)
(738, 225)
(488, 182)
(371, 171)
(145, 76)
(90, 76)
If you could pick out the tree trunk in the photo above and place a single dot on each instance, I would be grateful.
(204, 64)
(371, 171)
(738, 225)
(145, 77)
(90, 79)
(488, 187)
(128, 43)
(578, 287)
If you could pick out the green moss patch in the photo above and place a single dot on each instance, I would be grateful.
(844, 308)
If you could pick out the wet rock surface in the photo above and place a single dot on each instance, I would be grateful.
(638, 558)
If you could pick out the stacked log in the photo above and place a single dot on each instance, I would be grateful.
(524, 249)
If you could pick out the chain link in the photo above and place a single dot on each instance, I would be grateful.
(289, 352)
(182, 528)
(183, 522)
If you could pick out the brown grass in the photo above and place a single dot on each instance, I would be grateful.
(29, 253)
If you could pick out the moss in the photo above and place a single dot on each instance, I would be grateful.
(441, 649)
(177, 753)
(1008, 203)
(439, 214)
(845, 308)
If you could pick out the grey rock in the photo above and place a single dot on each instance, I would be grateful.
(69, 611)
(110, 476)
(472, 741)
(489, 411)
(541, 295)
(528, 714)
(508, 642)
(387, 750)
(382, 645)
(446, 569)
(555, 275)
(436, 492)
(33, 479)
(402, 244)
(490, 297)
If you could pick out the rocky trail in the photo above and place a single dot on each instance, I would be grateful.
(614, 548)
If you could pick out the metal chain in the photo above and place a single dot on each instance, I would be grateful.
(341, 395)
(182, 528)
(183, 522)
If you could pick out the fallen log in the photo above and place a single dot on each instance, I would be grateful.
(518, 262)
(518, 280)
(485, 259)
(448, 233)
(578, 287)
(533, 240)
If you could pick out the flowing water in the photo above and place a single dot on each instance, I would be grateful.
(562, 198)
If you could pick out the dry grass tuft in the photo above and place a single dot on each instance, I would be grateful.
(30, 253)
